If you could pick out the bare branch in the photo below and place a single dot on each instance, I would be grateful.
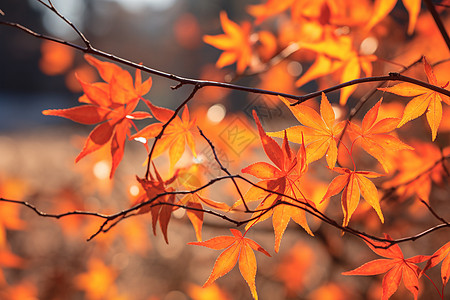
(438, 21)
(67, 21)
(204, 83)
(393, 76)
(216, 158)
(433, 212)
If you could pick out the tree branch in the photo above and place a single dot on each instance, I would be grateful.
(89, 49)
(438, 21)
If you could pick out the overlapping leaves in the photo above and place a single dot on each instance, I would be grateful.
(177, 134)
(282, 177)
(395, 266)
(111, 104)
(319, 131)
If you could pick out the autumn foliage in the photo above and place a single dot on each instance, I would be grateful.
(338, 139)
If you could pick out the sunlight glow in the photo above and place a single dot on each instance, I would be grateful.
(294, 68)
(338, 111)
(140, 139)
(368, 46)
(134, 190)
(179, 213)
(101, 169)
(139, 5)
(216, 113)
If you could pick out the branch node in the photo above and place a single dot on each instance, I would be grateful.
(394, 74)
(177, 86)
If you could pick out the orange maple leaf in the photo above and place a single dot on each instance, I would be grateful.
(237, 247)
(235, 42)
(281, 178)
(320, 132)
(425, 100)
(374, 136)
(396, 267)
(417, 170)
(213, 291)
(111, 104)
(442, 254)
(270, 8)
(354, 184)
(383, 7)
(294, 268)
(8, 260)
(336, 53)
(98, 281)
(196, 201)
(160, 206)
(176, 135)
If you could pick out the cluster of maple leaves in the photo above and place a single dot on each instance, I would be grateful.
(279, 195)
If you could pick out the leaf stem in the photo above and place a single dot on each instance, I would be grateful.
(437, 290)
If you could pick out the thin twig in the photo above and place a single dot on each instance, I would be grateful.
(393, 76)
(216, 158)
(438, 21)
(165, 125)
(55, 216)
(433, 212)
(67, 21)
(204, 83)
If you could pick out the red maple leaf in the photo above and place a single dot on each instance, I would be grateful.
(281, 178)
(111, 104)
(395, 266)
(160, 204)
(442, 254)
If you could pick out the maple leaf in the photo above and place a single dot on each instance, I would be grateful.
(320, 131)
(281, 178)
(19, 291)
(425, 100)
(294, 268)
(270, 8)
(395, 266)
(383, 7)
(442, 254)
(354, 184)
(235, 42)
(159, 210)
(417, 170)
(237, 248)
(177, 134)
(8, 260)
(373, 136)
(98, 281)
(10, 214)
(336, 53)
(196, 201)
(111, 104)
(213, 291)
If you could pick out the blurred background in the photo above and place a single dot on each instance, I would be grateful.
(43, 258)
